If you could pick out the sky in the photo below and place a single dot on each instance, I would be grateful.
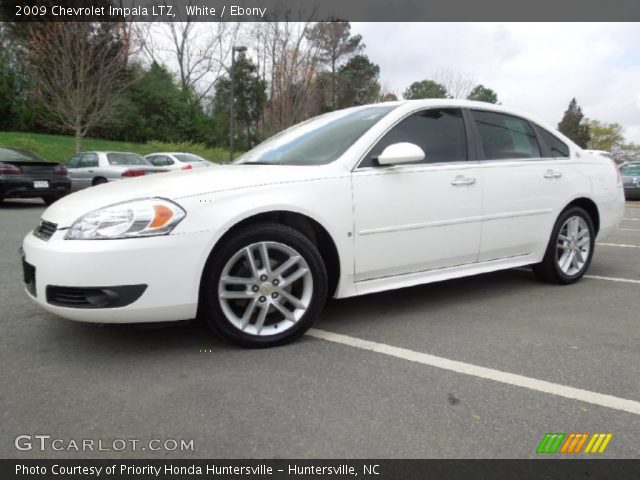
(534, 67)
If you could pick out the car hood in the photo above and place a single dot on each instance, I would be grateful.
(178, 184)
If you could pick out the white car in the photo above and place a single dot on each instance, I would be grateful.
(177, 160)
(88, 169)
(349, 203)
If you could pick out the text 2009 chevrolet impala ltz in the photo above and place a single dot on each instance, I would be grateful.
(352, 202)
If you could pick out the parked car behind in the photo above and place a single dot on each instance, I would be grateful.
(604, 153)
(631, 180)
(177, 160)
(25, 174)
(87, 169)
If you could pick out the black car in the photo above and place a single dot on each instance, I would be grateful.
(25, 174)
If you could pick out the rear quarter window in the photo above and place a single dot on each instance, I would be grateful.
(555, 146)
(126, 159)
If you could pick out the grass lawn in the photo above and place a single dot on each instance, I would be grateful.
(59, 148)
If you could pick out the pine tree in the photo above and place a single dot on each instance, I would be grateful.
(573, 126)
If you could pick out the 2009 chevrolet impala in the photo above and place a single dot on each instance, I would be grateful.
(352, 202)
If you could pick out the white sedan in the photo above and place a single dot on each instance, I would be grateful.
(177, 160)
(349, 203)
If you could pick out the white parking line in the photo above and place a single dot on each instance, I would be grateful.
(629, 230)
(543, 386)
(617, 245)
(612, 279)
(632, 219)
(593, 277)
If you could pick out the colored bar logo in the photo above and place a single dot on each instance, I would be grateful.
(573, 443)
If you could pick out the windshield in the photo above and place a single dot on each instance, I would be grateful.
(317, 141)
(19, 155)
(188, 158)
(126, 159)
(630, 170)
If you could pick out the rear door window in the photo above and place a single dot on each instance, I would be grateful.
(127, 159)
(505, 136)
(88, 160)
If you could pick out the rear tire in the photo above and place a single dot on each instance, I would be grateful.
(98, 181)
(570, 248)
(264, 286)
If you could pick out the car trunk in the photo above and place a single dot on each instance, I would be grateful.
(36, 169)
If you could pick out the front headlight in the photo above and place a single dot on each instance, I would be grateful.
(136, 218)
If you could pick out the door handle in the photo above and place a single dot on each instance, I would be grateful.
(551, 174)
(461, 180)
(90, 171)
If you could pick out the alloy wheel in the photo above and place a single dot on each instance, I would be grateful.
(573, 246)
(265, 288)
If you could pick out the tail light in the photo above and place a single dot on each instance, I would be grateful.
(60, 170)
(187, 167)
(618, 173)
(133, 173)
(8, 169)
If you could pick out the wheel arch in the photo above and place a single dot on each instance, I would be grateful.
(306, 225)
(96, 178)
(590, 207)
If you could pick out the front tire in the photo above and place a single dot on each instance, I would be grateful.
(264, 286)
(570, 248)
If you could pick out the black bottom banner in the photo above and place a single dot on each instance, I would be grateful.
(319, 469)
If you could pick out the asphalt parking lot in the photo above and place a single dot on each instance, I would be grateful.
(335, 398)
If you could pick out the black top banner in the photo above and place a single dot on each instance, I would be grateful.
(320, 469)
(320, 10)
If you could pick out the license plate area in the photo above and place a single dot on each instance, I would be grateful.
(40, 184)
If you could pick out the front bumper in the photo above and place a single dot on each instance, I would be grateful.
(170, 266)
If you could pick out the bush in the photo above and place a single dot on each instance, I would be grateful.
(59, 148)
(213, 154)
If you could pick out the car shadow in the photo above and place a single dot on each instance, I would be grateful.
(425, 298)
(194, 336)
(21, 203)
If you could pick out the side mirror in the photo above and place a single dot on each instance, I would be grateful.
(403, 152)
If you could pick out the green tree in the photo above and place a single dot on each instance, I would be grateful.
(250, 99)
(9, 88)
(609, 137)
(480, 93)
(334, 43)
(16, 112)
(574, 125)
(387, 97)
(156, 108)
(604, 136)
(358, 79)
(425, 89)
